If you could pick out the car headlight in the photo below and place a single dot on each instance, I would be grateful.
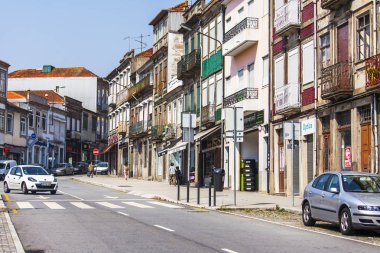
(369, 208)
(55, 179)
(32, 179)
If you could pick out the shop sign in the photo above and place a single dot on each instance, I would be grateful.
(347, 157)
(308, 126)
(288, 131)
(113, 139)
(254, 119)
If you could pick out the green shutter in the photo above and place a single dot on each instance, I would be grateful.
(198, 100)
(186, 48)
(192, 101)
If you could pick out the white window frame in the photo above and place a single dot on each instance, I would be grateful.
(279, 79)
(293, 66)
(308, 62)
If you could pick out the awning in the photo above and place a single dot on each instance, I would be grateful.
(107, 149)
(206, 133)
(177, 147)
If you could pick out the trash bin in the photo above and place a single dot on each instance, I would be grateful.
(219, 174)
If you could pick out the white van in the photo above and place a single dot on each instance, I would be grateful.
(5, 166)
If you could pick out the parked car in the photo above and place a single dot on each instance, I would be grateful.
(101, 167)
(83, 166)
(30, 178)
(62, 169)
(350, 199)
(5, 166)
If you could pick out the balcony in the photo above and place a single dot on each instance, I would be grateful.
(138, 128)
(170, 132)
(208, 114)
(287, 99)
(241, 36)
(73, 135)
(336, 81)
(112, 100)
(122, 97)
(141, 86)
(189, 65)
(246, 93)
(172, 85)
(372, 68)
(123, 127)
(212, 64)
(287, 18)
(333, 4)
(157, 132)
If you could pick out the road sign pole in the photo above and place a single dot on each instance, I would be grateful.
(235, 146)
(292, 178)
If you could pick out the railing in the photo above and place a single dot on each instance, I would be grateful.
(212, 64)
(246, 93)
(122, 96)
(157, 132)
(244, 24)
(208, 114)
(138, 128)
(188, 64)
(74, 135)
(112, 100)
(122, 127)
(287, 15)
(372, 67)
(287, 97)
(138, 87)
(336, 80)
(333, 4)
(171, 131)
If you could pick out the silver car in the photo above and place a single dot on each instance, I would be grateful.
(350, 199)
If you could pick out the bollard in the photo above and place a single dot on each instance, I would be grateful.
(209, 194)
(199, 194)
(214, 192)
(178, 192)
(188, 191)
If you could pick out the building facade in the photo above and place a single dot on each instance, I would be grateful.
(3, 99)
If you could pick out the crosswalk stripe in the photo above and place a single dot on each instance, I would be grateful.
(53, 205)
(137, 205)
(24, 205)
(110, 205)
(164, 204)
(81, 205)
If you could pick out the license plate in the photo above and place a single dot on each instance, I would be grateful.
(45, 183)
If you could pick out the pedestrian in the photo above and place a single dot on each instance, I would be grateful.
(126, 171)
(91, 170)
(178, 175)
(171, 174)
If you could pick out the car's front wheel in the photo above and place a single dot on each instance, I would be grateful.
(345, 222)
(24, 188)
(53, 192)
(306, 215)
(6, 188)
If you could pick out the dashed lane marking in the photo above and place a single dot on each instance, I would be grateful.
(71, 195)
(81, 205)
(125, 214)
(24, 205)
(164, 204)
(53, 205)
(164, 228)
(137, 205)
(110, 205)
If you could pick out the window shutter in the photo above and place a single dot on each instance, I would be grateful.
(279, 72)
(307, 63)
(293, 68)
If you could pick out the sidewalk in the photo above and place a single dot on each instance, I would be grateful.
(166, 192)
(9, 241)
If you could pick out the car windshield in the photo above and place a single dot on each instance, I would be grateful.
(34, 171)
(361, 183)
(102, 164)
(2, 166)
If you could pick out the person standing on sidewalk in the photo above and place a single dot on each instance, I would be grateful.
(171, 174)
(91, 170)
(178, 175)
(126, 171)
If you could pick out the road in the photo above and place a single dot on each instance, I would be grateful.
(87, 218)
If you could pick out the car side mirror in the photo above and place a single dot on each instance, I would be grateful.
(18, 174)
(334, 190)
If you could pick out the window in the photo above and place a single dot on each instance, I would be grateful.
(251, 8)
(279, 72)
(251, 77)
(320, 182)
(265, 71)
(333, 183)
(38, 118)
(44, 125)
(23, 126)
(307, 62)
(78, 125)
(3, 81)
(2, 120)
(219, 30)
(228, 81)
(241, 14)
(325, 50)
(365, 114)
(31, 118)
(211, 90)
(94, 124)
(363, 37)
(205, 43)
(212, 34)
(85, 121)
(219, 89)
(293, 68)
(204, 94)
(325, 124)
(9, 122)
(228, 23)
(67, 123)
(241, 77)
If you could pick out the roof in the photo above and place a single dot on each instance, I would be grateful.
(4, 63)
(52, 96)
(55, 72)
(178, 8)
(13, 105)
(145, 54)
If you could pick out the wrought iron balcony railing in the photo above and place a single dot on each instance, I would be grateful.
(189, 64)
(123, 127)
(246, 93)
(137, 128)
(248, 22)
(372, 68)
(336, 81)
(170, 132)
(157, 132)
(208, 114)
(112, 100)
(142, 85)
(122, 96)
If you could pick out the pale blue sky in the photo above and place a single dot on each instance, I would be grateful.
(68, 33)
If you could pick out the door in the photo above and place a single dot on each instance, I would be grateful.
(330, 200)
(17, 179)
(11, 178)
(342, 43)
(281, 173)
(326, 152)
(366, 147)
(315, 195)
(310, 158)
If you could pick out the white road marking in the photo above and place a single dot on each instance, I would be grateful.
(164, 228)
(164, 204)
(137, 205)
(123, 213)
(42, 197)
(110, 205)
(70, 195)
(24, 205)
(229, 251)
(147, 196)
(53, 205)
(109, 197)
(81, 205)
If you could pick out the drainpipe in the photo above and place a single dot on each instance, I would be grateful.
(374, 16)
(223, 78)
(315, 91)
(269, 94)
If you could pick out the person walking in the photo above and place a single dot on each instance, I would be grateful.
(91, 170)
(178, 175)
(171, 174)
(126, 171)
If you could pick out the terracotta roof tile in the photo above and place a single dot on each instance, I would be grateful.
(52, 96)
(178, 8)
(56, 72)
(145, 54)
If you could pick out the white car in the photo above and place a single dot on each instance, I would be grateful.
(101, 167)
(30, 178)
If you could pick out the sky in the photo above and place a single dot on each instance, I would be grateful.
(74, 33)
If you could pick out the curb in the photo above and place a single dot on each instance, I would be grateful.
(15, 238)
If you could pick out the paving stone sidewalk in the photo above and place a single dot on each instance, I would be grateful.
(9, 241)
(164, 191)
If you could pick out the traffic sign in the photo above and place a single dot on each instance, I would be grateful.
(33, 136)
(95, 151)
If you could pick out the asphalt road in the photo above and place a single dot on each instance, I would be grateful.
(87, 218)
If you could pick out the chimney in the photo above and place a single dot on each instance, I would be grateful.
(47, 68)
